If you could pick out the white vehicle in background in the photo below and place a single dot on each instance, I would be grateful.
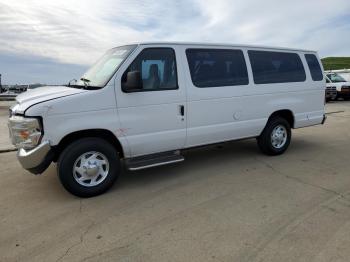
(336, 82)
(344, 73)
(331, 91)
(146, 103)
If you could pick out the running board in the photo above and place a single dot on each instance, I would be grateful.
(153, 160)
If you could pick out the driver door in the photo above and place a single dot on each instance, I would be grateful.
(152, 116)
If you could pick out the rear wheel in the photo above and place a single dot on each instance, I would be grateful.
(276, 137)
(88, 167)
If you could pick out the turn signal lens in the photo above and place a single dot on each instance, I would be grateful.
(25, 132)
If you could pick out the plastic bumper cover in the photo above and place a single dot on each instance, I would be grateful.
(36, 160)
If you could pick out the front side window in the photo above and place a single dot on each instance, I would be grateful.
(157, 69)
(276, 67)
(217, 67)
(102, 71)
(314, 66)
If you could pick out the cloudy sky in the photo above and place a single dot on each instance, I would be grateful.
(53, 41)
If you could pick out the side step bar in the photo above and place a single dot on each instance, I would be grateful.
(160, 159)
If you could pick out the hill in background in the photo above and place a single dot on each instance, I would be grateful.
(335, 63)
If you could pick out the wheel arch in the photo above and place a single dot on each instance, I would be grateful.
(286, 114)
(99, 133)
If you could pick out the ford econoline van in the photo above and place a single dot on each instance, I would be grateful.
(145, 103)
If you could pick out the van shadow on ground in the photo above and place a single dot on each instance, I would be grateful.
(244, 151)
(198, 161)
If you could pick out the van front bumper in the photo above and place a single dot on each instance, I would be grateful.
(36, 160)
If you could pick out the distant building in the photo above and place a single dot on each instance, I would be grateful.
(17, 89)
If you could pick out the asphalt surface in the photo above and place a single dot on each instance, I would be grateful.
(226, 203)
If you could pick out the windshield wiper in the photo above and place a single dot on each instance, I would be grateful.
(73, 83)
(86, 81)
(85, 86)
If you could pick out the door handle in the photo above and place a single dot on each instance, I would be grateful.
(182, 110)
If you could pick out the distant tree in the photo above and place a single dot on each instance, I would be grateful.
(336, 63)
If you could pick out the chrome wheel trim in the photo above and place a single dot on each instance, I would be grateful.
(91, 169)
(279, 136)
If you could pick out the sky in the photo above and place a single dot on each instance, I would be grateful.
(53, 42)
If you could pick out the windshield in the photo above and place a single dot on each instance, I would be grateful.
(102, 71)
(335, 78)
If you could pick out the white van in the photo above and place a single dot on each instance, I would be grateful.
(336, 82)
(144, 103)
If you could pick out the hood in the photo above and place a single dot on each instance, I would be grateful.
(42, 94)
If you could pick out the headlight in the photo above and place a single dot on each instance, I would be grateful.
(25, 132)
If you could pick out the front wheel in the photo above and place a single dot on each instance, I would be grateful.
(88, 167)
(276, 137)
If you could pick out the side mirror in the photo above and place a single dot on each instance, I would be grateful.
(133, 81)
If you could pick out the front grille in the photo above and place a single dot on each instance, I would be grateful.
(331, 92)
(331, 88)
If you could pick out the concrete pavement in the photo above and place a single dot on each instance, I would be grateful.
(227, 203)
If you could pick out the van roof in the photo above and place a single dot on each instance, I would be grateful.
(224, 45)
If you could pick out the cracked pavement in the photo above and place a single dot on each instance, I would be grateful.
(224, 203)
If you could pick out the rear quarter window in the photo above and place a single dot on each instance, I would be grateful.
(314, 66)
(276, 67)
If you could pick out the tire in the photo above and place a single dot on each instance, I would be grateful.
(267, 144)
(75, 169)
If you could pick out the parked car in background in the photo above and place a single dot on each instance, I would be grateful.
(148, 102)
(331, 91)
(344, 73)
(341, 85)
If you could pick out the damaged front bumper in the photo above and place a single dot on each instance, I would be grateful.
(36, 160)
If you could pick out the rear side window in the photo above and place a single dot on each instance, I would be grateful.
(276, 67)
(314, 66)
(217, 67)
